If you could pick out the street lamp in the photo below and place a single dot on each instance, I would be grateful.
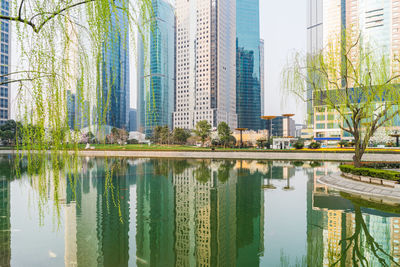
(241, 138)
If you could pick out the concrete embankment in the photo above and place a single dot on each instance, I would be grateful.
(233, 155)
(340, 183)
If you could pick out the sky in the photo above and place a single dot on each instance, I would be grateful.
(283, 28)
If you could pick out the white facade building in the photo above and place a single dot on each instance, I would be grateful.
(205, 63)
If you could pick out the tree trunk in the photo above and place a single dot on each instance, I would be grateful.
(359, 152)
(357, 161)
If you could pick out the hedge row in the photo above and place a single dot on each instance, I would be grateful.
(382, 165)
(383, 174)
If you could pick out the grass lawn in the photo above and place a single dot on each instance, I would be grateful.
(155, 147)
(195, 148)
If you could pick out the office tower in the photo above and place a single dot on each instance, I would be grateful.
(114, 68)
(78, 110)
(71, 109)
(262, 81)
(132, 120)
(156, 71)
(314, 45)
(5, 54)
(248, 91)
(205, 63)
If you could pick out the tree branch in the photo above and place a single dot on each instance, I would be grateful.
(37, 27)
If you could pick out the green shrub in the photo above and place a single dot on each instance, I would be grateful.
(382, 165)
(298, 163)
(133, 141)
(376, 173)
(315, 164)
(298, 145)
(314, 145)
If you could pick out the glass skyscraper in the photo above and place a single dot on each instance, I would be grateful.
(248, 89)
(5, 63)
(115, 72)
(156, 69)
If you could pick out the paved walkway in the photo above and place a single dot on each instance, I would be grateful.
(340, 183)
(233, 155)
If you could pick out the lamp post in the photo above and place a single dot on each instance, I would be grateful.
(241, 137)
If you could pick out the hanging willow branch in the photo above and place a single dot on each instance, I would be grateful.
(45, 16)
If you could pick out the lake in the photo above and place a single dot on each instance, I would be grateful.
(170, 212)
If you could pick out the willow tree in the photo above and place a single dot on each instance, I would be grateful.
(355, 79)
(60, 46)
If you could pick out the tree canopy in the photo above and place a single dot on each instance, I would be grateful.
(224, 133)
(203, 130)
(60, 48)
(354, 80)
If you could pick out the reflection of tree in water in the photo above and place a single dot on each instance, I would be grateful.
(354, 239)
(223, 171)
(361, 242)
(179, 166)
(203, 172)
(163, 167)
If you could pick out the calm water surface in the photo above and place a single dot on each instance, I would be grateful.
(150, 212)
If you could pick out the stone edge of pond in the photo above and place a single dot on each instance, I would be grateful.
(297, 156)
(336, 181)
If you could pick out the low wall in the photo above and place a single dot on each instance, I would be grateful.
(233, 155)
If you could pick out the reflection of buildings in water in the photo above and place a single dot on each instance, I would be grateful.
(331, 219)
(217, 222)
(155, 213)
(250, 219)
(253, 166)
(70, 238)
(5, 224)
(97, 217)
(205, 219)
(381, 230)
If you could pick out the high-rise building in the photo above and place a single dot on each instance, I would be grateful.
(205, 63)
(115, 72)
(132, 120)
(248, 90)
(262, 81)
(156, 71)
(78, 110)
(5, 60)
